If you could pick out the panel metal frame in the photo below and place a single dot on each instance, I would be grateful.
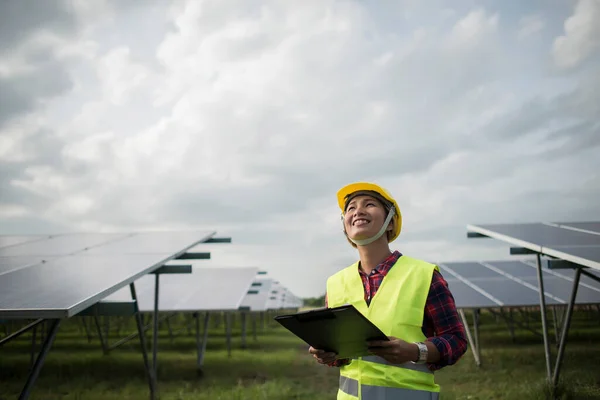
(537, 248)
(77, 308)
(57, 316)
(552, 374)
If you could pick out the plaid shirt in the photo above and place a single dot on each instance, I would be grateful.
(441, 324)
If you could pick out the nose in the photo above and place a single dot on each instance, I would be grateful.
(359, 211)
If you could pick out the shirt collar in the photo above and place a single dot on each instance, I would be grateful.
(384, 267)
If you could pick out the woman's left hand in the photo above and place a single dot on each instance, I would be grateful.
(395, 351)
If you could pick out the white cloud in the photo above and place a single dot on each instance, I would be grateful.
(530, 25)
(246, 119)
(120, 74)
(472, 30)
(581, 37)
(13, 210)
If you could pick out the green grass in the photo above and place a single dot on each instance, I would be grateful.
(277, 366)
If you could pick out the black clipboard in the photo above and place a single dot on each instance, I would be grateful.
(343, 330)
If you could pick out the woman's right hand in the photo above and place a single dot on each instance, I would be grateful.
(322, 356)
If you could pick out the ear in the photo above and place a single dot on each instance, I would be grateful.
(390, 227)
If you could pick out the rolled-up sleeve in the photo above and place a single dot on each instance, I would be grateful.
(442, 324)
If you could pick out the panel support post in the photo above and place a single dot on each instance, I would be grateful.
(140, 327)
(476, 333)
(469, 337)
(155, 330)
(33, 343)
(565, 328)
(100, 335)
(244, 320)
(543, 316)
(228, 332)
(39, 362)
(201, 347)
(198, 344)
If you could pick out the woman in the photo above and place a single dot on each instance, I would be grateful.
(407, 298)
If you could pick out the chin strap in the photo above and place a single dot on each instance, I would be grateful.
(364, 242)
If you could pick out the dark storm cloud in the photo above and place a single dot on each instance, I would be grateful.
(19, 18)
(23, 91)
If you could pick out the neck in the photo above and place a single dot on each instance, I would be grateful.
(373, 254)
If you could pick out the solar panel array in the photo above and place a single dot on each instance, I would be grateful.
(577, 242)
(268, 294)
(275, 302)
(257, 297)
(58, 276)
(205, 289)
(512, 284)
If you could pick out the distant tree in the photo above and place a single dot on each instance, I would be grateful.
(315, 301)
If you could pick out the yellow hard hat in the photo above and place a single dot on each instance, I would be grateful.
(347, 190)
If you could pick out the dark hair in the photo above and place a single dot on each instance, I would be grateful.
(384, 202)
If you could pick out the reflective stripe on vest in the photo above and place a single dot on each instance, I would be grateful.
(408, 365)
(350, 387)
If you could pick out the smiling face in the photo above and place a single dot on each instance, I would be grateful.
(364, 217)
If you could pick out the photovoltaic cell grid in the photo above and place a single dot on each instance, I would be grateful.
(10, 240)
(9, 264)
(205, 289)
(62, 245)
(76, 272)
(592, 226)
(577, 242)
(512, 284)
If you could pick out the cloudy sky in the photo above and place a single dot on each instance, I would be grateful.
(246, 117)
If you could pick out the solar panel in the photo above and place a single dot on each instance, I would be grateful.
(578, 254)
(510, 283)
(148, 243)
(8, 264)
(518, 269)
(9, 240)
(64, 286)
(258, 301)
(60, 245)
(569, 274)
(577, 246)
(473, 270)
(205, 289)
(274, 300)
(543, 235)
(562, 289)
(467, 297)
(592, 226)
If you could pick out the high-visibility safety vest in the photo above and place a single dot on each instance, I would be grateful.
(397, 309)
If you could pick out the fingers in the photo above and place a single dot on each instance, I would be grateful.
(326, 359)
(322, 356)
(383, 343)
(380, 343)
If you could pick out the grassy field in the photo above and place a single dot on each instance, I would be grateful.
(277, 366)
